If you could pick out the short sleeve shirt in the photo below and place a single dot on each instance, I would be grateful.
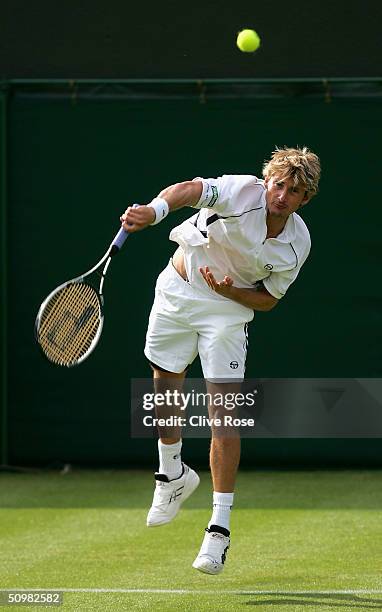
(228, 234)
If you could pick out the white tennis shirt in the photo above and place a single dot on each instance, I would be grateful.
(228, 234)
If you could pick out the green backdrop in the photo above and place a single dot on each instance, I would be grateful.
(75, 163)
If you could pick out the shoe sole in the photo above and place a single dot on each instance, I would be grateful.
(205, 570)
(185, 496)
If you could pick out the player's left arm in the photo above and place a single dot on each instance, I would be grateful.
(256, 298)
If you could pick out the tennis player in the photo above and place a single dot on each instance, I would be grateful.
(238, 253)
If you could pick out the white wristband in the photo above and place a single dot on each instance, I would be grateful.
(161, 209)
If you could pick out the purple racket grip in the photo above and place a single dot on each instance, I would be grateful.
(120, 238)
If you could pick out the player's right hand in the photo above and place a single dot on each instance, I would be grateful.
(137, 218)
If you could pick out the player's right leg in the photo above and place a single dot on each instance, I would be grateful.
(171, 345)
(175, 481)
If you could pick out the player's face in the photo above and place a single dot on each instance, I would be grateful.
(283, 197)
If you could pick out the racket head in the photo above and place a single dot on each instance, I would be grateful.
(69, 323)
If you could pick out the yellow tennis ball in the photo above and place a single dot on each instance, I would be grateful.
(248, 41)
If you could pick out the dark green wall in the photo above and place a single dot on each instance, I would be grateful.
(74, 165)
(172, 39)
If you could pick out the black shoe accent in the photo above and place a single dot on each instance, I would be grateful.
(161, 477)
(224, 555)
(164, 478)
(218, 529)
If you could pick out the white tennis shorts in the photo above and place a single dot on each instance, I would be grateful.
(185, 321)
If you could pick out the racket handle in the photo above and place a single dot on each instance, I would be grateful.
(120, 239)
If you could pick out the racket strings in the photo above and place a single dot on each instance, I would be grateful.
(69, 323)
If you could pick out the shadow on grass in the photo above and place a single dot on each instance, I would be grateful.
(318, 600)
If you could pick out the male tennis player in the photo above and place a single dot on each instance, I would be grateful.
(239, 253)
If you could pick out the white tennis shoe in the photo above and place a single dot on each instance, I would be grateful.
(169, 495)
(212, 555)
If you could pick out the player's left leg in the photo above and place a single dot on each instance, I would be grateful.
(222, 348)
(224, 462)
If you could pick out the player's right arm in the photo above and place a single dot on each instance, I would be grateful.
(182, 194)
(177, 196)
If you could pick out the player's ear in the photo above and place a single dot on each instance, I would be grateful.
(306, 199)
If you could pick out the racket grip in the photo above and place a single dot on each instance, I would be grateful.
(120, 239)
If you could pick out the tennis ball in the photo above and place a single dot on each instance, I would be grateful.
(248, 41)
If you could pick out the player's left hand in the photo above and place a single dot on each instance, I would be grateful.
(137, 218)
(223, 287)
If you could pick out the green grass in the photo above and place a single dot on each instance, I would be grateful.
(291, 532)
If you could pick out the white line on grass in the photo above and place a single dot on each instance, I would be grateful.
(204, 592)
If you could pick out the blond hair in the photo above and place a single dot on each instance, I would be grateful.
(300, 164)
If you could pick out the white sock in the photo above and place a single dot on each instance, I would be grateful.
(222, 505)
(170, 462)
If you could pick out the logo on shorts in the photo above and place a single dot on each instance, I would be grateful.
(268, 267)
(234, 365)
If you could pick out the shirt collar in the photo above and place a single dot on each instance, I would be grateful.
(289, 232)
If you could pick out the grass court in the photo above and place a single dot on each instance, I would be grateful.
(300, 541)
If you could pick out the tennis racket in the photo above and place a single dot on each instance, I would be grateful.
(70, 320)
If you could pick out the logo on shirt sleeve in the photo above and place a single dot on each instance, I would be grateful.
(213, 197)
(268, 267)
